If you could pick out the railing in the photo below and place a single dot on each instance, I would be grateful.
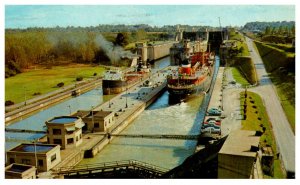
(180, 86)
(154, 136)
(98, 167)
(25, 130)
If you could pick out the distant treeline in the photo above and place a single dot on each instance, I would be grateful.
(119, 28)
(261, 26)
(51, 46)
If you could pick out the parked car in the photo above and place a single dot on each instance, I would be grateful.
(212, 123)
(212, 130)
(213, 118)
(232, 82)
(214, 112)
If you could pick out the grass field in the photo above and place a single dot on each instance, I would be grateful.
(239, 78)
(45, 80)
(257, 119)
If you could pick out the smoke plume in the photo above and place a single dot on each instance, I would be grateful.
(114, 53)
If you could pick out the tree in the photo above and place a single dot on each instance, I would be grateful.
(141, 34)
(273, 32)
(268, 30)
(122, 39)
(280, 30)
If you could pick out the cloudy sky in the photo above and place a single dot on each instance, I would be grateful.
(23, 16)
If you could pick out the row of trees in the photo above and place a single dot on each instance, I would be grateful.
(122, 28)
(261, 26)
(283, 31)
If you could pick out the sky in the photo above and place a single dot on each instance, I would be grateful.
(24, 16)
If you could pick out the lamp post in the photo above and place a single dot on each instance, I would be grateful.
(109, 98)
(25, 95)
(35, 156)
(70, 109)
(93, 115)
(126, 106)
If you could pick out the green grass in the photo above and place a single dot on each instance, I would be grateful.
(257, 118)
(273, 58)
(45, 80)
(240, 42)
(238, 77)
(285, 87)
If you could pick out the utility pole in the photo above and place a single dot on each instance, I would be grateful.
(126, 106)
(221, 28)
(93, 115)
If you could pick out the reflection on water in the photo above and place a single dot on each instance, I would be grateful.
(159, 118)
(36, 121)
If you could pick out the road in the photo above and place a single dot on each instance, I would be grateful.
(231, 104)
(284, 135)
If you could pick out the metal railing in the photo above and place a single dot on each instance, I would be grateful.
(98, 167)
(154, 136)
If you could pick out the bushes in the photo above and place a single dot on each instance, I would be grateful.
(60, 84)
(11, 69)
(80, 78)
(36, 93)
(277, 39)
(9, 102)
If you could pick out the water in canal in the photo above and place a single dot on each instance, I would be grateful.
(159, 118)
(36, 121)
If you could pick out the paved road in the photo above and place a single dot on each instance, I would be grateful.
(231, 105)
(285, 137)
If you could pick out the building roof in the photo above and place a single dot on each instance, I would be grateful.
(39, 148)
(63, 119)
(101, 114)
(18, 168)
(239, 142)
(81, 113)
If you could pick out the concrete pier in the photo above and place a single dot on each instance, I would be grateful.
(49, 99)
(127, 106)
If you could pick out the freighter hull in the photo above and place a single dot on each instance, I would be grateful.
(118, 86)
(179, 93)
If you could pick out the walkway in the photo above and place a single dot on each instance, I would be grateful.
(284, 135)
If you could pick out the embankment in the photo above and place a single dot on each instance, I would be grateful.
(273, 57)
(246, 67)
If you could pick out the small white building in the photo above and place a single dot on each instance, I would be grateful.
(97, 121)
(65, 131)
(20, 171)
(45, 156)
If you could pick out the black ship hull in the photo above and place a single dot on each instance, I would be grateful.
(179, 94)
(114, 86)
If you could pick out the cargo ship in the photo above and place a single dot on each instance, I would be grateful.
(194, 74)
(116, 81)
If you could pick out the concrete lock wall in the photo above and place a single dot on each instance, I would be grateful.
(234, 166)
